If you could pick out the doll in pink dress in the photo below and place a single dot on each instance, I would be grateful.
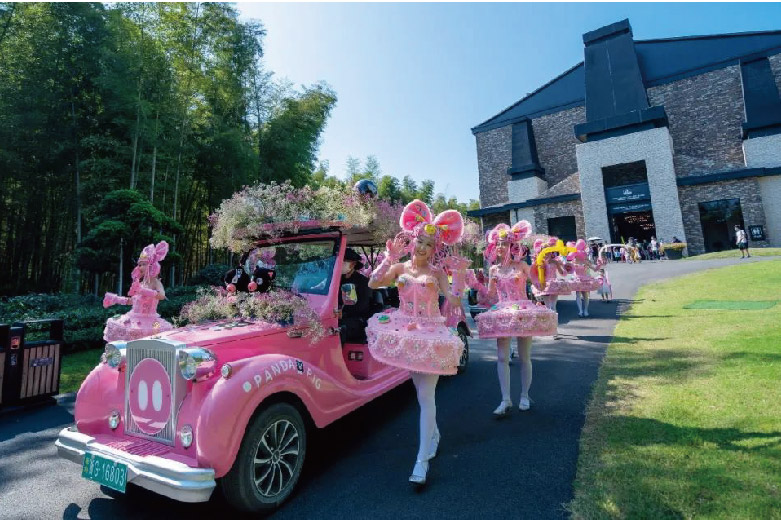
(415, 337)
(583, 282)
(144, 294)
(514, 315)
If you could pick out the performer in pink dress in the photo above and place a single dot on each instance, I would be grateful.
(582, 281)
(144, 294)
(514, 315)
(415, 336)
(554, 285)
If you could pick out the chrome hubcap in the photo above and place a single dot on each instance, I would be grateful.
(276, 458)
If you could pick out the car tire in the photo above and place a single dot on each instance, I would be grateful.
(269, 461)
(464, 360)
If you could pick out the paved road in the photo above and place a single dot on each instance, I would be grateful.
(519, 467)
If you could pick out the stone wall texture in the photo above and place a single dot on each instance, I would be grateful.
(555, 138)
(491, 220)
(544, 212)
(494, 157)
(747, 190)
(705, 115)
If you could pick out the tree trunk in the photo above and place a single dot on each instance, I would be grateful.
(135, 137)
(77, 278)
(154, 161)
(121, 264)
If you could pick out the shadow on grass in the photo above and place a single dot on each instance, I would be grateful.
(633, 431)
(606, 339)
(645, 482)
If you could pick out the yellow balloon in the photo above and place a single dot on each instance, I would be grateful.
(559, 248)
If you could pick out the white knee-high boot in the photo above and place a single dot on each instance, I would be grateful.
(425, 385)
(525, 356)
(578, 301)
(586, 299)
(503, 367)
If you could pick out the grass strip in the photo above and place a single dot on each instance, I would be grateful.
(685, 417)
(76, 367)
(729, 254)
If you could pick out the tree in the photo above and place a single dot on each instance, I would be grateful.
(290, 139)
(372, 168)
(388, 188)
(124, 221)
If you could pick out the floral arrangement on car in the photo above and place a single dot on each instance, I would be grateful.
(276, 208)
(274, 306)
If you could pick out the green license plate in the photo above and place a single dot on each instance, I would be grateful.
(104, 471)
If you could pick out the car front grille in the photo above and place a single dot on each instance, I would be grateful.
(165, 352)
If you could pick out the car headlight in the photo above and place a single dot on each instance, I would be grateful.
(186, 436)
(196, 363)
(113, 355)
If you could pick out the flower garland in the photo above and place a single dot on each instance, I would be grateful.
(272, 209)
(275, 306)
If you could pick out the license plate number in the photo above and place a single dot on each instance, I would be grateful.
(111, 474)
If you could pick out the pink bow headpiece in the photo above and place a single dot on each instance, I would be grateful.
(503, 233)
(580, 246)
(445, 228)
(152, 255)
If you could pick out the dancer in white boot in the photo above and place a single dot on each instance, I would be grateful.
(514, 315)
(414, 337)
(583, 281)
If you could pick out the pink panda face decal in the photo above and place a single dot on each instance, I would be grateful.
(150, 396)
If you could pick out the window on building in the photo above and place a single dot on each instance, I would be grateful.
(718, 220)
(563, 227)
(624, 174)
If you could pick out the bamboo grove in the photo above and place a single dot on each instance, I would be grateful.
(165, 108)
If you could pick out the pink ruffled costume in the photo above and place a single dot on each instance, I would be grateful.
(415, 337)
(514, 314)
(142, 320)
(581, 280)
(553, 284)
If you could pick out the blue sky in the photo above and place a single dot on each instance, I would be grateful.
(412, 79)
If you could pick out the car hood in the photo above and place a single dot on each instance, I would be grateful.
(220, 332)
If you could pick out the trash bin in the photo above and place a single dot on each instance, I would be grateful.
(32, 369)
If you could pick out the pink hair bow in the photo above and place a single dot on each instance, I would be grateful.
(580, 246)
(153, 254)
(447, 227)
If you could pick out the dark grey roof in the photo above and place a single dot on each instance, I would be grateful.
(661, 61)
(563, 92)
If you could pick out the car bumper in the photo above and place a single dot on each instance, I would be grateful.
(166, 477)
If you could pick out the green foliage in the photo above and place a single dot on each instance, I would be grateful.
(289, 141)
(171, 100)
(210, 275)
(84, 316)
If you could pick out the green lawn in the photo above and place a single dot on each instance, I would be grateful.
(685, 419)
(76, 367)
(758, 252)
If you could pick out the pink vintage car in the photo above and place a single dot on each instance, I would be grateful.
(232, 401)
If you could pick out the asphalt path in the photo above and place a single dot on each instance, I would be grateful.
(519, 467)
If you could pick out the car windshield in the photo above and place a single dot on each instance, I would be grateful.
(301, 267)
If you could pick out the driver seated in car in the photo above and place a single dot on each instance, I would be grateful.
(354, 300)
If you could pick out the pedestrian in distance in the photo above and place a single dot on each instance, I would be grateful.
(742, 242)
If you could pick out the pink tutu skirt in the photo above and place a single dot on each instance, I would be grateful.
(132, 326)
(585, 284)
(522, 318)
(417, 344)
(553, 287)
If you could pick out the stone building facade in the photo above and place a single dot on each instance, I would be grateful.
(674, 138)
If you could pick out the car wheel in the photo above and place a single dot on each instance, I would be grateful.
(464, 360)
(269, 461)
